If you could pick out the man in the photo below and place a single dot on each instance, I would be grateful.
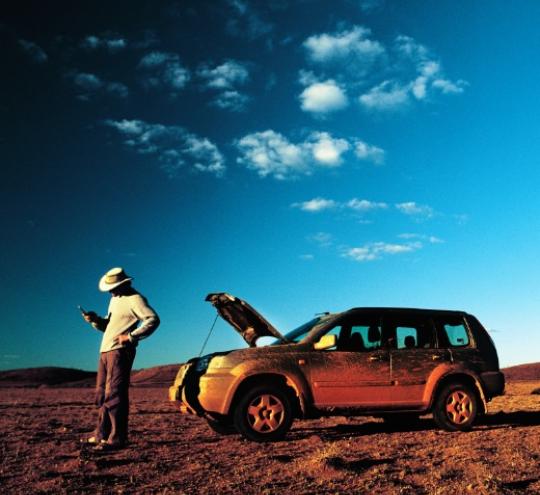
(122, 332)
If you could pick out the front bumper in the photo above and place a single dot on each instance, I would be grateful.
(185, 390)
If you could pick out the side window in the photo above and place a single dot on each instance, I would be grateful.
(357, 333)
(406, 337)
(365, 337)
(409, 331)
(455, 332)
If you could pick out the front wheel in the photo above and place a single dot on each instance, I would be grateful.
(264, 414)
(456, 407)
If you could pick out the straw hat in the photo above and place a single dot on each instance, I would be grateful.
(113, 278)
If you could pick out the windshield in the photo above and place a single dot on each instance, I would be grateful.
(301, 332)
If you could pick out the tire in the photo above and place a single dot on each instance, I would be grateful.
(264, 414)
(221, 426)
(456, 407)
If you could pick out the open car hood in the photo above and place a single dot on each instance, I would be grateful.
(247, 322)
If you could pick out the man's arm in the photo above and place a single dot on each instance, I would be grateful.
(148, 317)
(96, 321)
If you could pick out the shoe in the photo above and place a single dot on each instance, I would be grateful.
(91, 441)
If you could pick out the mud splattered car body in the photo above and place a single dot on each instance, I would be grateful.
(392, 362)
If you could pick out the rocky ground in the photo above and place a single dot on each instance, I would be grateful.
(170, 453)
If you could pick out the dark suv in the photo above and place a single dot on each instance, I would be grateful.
(390, 362)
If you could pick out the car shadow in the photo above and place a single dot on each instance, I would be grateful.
(359, 430)
(487, 422)
(516, 418)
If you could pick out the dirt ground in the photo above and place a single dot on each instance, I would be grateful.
(175, 454)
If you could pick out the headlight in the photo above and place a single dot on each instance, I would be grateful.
(202, 363)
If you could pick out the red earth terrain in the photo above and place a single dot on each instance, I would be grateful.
(170, 453)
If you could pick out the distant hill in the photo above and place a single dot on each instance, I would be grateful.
(160, 376)
(530, 371)
(50, 376)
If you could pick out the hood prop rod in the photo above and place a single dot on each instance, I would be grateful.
(208, 336)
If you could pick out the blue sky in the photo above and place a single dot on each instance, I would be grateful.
(306, 157)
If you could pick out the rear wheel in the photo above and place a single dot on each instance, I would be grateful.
(456, 407)
(264, 414)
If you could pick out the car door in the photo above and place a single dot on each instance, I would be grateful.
(356, 372)
(413, 355)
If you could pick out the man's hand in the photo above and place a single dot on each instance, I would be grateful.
(121, 339)
(90, 316)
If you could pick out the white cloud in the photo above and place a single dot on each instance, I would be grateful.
(174, 147)
(307, 257)
(226, 80)
(410, 208)
(387, 77)
(316, 204)
(327, 150)
(323, 97)
(164, 70)
(230, 100)
(225, 76)
(376, 250)
(418, 88)
(414, 209)
(89, 82)
(128, 127)
(175, 76)
(448, 87)
(411, 48)
(365, 151)
(344, 44)
(425, 74)
(364, 205)
(357, 205)
(90, 85)
(270, 153)
(154, 59)
(427, 238)
(388, 95)
(111, 43)
(35, 52)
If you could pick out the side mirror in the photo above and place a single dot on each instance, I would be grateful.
(326, 342)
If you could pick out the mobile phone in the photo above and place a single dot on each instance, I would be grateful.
(81, 309)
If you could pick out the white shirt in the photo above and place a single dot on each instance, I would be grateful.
(125, 313)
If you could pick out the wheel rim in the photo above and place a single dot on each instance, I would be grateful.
(265, 413)
(459, 407)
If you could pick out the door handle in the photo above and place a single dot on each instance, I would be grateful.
(436, 357)
(374, 358)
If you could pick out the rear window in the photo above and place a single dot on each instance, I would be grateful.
(457, 334)
(453, 331)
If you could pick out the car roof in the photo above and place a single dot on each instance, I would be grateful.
(405, 310)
